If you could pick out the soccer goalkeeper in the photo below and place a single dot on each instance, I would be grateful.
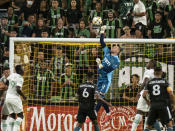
(106, 68)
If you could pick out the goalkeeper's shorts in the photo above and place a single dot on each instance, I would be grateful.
(103, 86)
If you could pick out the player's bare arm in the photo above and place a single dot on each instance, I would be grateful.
(172, 97)
(142, 87)
(144, 96)
(144, 83)
(20, 92)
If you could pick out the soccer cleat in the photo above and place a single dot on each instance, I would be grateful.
(107, 118)
(87, 120)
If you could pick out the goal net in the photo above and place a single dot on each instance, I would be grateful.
(54, 68)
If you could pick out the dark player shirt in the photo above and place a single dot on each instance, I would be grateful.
(86, 94)
(157, 88)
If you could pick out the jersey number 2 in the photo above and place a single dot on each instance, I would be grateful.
(85, 93)
(156, 90)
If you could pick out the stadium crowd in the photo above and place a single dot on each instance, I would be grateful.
(73, 19)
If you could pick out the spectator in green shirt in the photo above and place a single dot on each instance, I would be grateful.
(82, 31)
(68, 83)
(27, 27)
(43, 79)
(113, 25)
(54, 14)
(60, 31)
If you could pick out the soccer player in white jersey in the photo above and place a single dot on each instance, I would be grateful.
(3, 89)
(143, 104)
(13, 101)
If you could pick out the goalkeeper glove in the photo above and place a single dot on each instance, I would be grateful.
(103, 28)
(99, 63)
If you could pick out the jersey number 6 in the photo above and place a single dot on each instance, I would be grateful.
(85, 93)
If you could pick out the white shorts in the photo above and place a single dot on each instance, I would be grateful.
(13, 106)
(142, 105)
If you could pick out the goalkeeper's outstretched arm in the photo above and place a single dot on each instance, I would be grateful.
(102, 37)
(102, 41)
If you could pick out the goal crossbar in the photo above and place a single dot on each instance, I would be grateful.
(92, 40)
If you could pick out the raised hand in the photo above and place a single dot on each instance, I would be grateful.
(103, 28)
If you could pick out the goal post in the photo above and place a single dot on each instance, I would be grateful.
(54, 68)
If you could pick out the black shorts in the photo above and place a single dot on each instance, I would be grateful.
(82, 113)
(159, 112)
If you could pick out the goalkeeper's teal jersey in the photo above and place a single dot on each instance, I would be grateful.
(109, 62)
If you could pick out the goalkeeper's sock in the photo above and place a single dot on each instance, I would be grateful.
(4, 125)
(77, 128)
(97, 128)
(17, 124)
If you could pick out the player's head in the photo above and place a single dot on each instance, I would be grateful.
(90, 76)
(6, 71)
(151, 64)
(158, 70)
(116, 49)
(19, 69)
(136, 1)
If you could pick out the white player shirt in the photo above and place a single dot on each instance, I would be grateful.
(140, 8)
(14, 80)
(149, 73)
(142, 105)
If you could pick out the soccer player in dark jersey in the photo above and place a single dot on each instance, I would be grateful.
(160, 93)
(87, 96)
